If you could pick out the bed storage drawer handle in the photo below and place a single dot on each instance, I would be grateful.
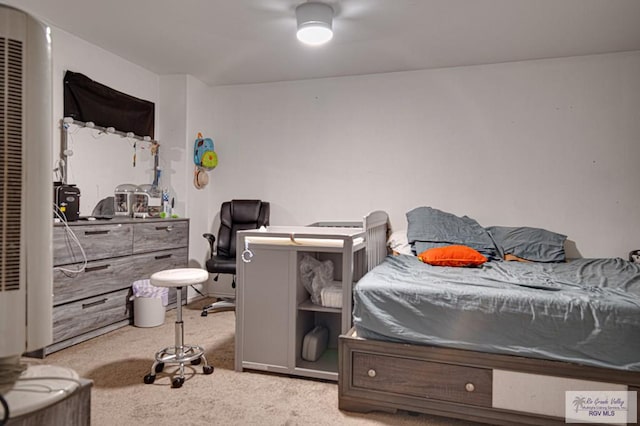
(469, 387)
(371, 373)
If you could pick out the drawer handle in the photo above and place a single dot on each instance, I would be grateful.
(371, 373)
(102, 232)
(168, 228)
(92, 304)
(469, 387)
(96, 268)
(163, 256)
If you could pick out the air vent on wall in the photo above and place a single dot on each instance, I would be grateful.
(11, 137)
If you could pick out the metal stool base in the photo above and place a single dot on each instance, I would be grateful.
(179, 353)
(175, 355)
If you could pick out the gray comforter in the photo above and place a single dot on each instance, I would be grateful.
(585, 311)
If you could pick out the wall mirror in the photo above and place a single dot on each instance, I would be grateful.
(98, 162)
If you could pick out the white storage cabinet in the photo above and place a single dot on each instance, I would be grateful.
(273, 308)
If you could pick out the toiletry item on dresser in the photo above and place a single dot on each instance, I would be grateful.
(166, 207)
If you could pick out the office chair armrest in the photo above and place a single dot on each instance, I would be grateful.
(211, 239)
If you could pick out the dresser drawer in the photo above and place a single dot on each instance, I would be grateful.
(98, 242)
(100, 276)
(86, 315)
(145, 265)
(422, 379)
(161, 235)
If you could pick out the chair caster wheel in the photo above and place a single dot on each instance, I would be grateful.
(177, 382)
(149, 378)
(196, 361)
(207, 369)
(204, 313)
(159, 367)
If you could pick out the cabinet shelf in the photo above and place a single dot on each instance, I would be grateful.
(308, 305)
(328, 361)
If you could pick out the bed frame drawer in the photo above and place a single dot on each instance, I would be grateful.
(423, 379)
(86, 315)
(401, 370)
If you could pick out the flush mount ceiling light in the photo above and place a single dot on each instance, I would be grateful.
(314, 23)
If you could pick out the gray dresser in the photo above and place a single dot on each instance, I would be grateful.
(119, 252)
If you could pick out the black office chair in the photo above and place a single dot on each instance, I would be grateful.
(235, 215)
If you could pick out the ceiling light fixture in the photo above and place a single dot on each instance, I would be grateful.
(314, 23)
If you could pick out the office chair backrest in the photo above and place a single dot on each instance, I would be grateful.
(239, 215)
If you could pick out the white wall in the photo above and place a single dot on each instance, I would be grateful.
(183, 107)
(185, 110)
(550, 143)
(94, 167)
(547, 143)
(172, 116)
(198, 121)
(100, 162)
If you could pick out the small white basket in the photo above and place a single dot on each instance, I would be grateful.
(149, 304)
(148, 311)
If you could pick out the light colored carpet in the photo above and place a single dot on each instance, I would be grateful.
(118, 361)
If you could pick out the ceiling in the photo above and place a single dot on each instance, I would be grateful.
(250, 41)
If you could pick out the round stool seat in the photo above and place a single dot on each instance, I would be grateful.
(179, 277)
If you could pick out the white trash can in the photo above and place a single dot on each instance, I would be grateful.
(149, 304)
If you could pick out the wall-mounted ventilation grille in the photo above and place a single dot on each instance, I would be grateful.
(11, 72)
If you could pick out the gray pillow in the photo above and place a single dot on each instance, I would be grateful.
(536, 244)
(428, 227)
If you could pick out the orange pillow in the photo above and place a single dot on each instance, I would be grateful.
(455, 255)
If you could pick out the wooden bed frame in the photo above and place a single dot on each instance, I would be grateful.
(470, 385)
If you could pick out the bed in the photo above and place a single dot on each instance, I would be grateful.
(498, 342)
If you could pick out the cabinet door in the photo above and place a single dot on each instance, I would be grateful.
(264, 322)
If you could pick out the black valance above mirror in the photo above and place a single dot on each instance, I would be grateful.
(87, 100)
